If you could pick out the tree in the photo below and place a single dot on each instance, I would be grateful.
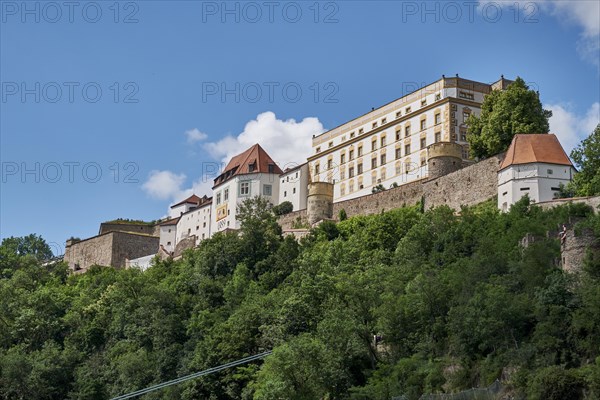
(503, 115)
(587, 159)
(284, 208)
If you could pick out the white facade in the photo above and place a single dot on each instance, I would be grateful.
(388, 145)
(227, 195)
(540, 181)
(142, 263)
(168, 235)
(294, 186)
(195, 222)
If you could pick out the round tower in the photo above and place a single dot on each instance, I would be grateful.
(319, 202)
(443, 158)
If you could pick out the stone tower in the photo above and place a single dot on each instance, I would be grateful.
(319, 203)
(443, 158)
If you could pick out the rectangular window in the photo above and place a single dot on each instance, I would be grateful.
(351, 135)
(244, 188)
(398, 153)
(251, 167)
(285, 193)
(359, 169)
(423, 103)
(226, 194)
(351, 155)
(343, 158)
(407, 110)
(554, 188)
(374, 125)
(423, 124)
(218, 198)
(525, 188)
(438, 97)
(550, 172)
(267, 190)
(294, 190)
(398, 114)
(330, 144)
(407, 131)
(351, 172)
(360, 151)
(317, 169)
(318, 149)
(406, 149)
(466, 117)
(423, 143)
(383, 121)
(329, 164)
(343, 174)
(271, 168)
(422, 160)
(360, 131)
(438, 119)
(438, 137)
(373, 162)
(383, 141)
(374, 144)
(383, 161)
(398, 135)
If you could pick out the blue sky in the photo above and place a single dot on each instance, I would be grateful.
(117, 109)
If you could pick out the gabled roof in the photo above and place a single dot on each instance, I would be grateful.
(194, 200)
(252, 161)
(535, 148)
(172, 221)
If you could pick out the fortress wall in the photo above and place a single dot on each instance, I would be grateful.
(153, 230)
(287, 221)
(96, 250)
(130, 246)
(468, 186)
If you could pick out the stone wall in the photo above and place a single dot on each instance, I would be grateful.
(152, 230)
(469, 186)
(184, 244)
(83, 254)
(575, 248)
(405, 195)
(109, 249)
(287, 221)
(593, 202)
(129, 246)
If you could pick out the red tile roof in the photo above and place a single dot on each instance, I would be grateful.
(172, 221)
(252, 161)
(532, 148)
(193, 199)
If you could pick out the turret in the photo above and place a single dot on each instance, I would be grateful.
(443, 158)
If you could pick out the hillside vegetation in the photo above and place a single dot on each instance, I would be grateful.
(455, 300)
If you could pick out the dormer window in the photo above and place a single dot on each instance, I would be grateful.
(251, 167)
(271, 168)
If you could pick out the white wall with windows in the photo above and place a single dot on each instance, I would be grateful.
(294, 187)
(195, 222)
(227, 196)
(541, 181)
(168, 236)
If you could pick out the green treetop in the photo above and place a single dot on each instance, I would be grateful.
(504, 114)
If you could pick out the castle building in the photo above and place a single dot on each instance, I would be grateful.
(168, 234)
(196, 221)
(249, 174)
(390, 144)
(293, 187)
(534, 165)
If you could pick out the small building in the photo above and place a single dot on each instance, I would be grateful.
(168, 234)
(196, 221)
(113, 248)
(534, 165)
(249, 174)
(293, 187)
(184, 206)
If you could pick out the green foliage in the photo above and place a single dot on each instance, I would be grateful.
(586, 156)
(378, 188)
(455, 300)
(342, 216)
(283, 208)
(503, 115)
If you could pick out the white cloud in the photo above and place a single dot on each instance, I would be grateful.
(571, 128)
(163, 185)
(194, 135)
(288, 142)
(582, 13)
